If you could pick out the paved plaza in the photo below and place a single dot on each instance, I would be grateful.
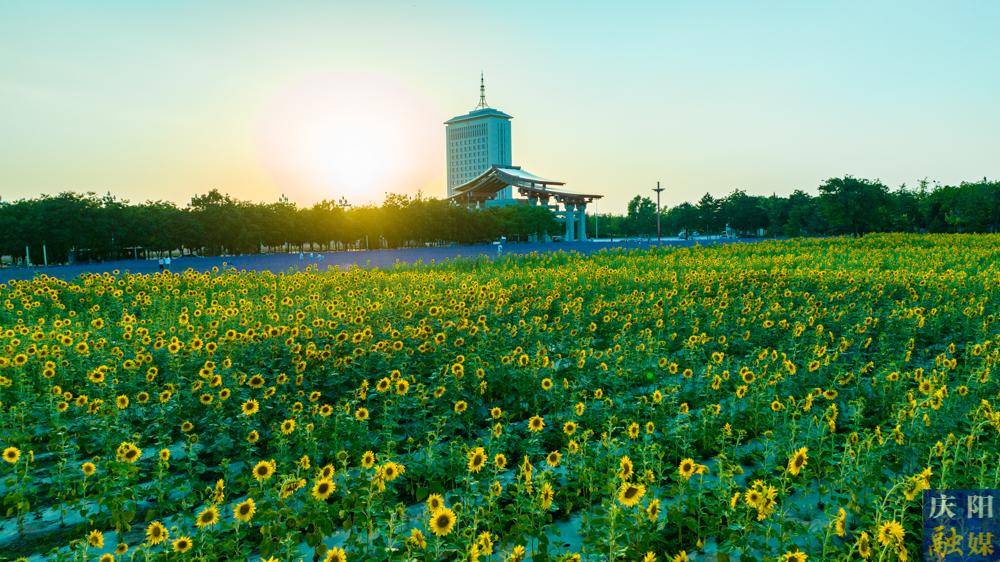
(325, 260)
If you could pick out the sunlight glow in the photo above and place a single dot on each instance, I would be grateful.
(356, 135)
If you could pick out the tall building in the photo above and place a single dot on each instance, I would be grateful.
(476, 141)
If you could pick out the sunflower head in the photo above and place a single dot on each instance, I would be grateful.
(629, 494)
(156, 533)
(183, 544)
(442, 521)
(208, 517)
(245, 510)
(797, 461)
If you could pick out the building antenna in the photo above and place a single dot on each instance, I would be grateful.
(482, 93)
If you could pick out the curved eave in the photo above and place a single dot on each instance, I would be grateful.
(487, 184)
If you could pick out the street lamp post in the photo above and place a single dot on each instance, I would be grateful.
(658, 190)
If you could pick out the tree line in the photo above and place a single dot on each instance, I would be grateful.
(846, 205)
(85, 227)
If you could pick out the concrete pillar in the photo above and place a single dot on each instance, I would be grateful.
(569, 223)
(581, 211)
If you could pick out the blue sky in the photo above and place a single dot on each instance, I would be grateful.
(162, 100)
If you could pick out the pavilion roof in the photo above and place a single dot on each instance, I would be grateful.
(487, 184)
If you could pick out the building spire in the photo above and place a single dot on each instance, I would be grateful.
(482, 93)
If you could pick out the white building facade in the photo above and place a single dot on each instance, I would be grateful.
(475, 142)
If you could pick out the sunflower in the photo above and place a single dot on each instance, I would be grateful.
(649, 557)
(96, 539)
(629, 494)
(762, 498)
(477, 458)
(156, 533)
(485, 542)
(890, 533)
(264, 470)
(416, 539)
(797, 461)
(287, 427)
(536, 424)
(88, 468)
(794, 557)
(680, 557)
(335, 554)
(402, 386)
(653, 510)
(434, 502)
(128, 452)
(500, 461)
(864, 546)
(182, 544)
(633, 430)
(442, 521)
(244, 510)
(250, 407)
(208, 517)
(553, 458)
(361, 414)
(368, 459)
(290, 487)
(545, 495)
(219, 493)
(840, 523)
(390, 471)
(625, 468)
(323, 488)
(917, 484)
(106, 557)
(569, 428)
(687, 468)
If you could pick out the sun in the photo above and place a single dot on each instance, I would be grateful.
(353, 135)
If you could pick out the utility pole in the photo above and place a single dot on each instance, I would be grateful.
(596, 219)
(658, 190)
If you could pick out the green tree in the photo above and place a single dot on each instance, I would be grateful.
(855, 206)
(641, 217)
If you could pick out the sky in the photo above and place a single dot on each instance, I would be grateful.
(162, 100)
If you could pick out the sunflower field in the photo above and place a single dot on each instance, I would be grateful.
(782, 400)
